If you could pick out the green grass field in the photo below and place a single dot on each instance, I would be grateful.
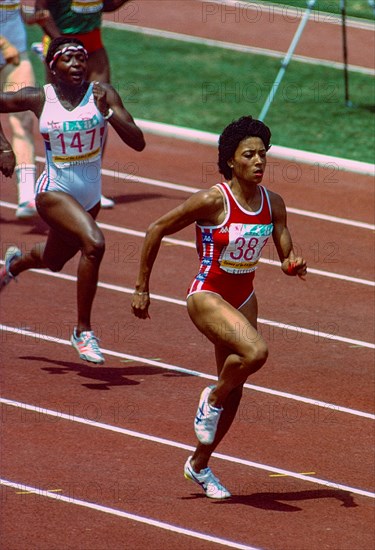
(353, 8)
(204, 88)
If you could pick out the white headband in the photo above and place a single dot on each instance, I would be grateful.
(69, 48)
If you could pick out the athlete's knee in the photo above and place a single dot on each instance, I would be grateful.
(256, 356)
(94, 246)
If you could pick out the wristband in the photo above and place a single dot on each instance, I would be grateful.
(140, 293)
(108, 115)
(291, 268)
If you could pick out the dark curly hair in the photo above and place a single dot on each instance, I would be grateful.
(233, 134)
(57, 42)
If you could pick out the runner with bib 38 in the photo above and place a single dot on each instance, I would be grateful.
(233, 221)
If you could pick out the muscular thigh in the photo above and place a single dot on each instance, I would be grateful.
(70, 225)
(221, 323)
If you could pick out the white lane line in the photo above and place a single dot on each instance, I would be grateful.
(191, 190)
(188, 189)
(184, 188)
(232, 46)
(168, 366)
(127, 515)
(190, 244)
(291, 12)
(278, 151)
(317, 334)
(162, 441)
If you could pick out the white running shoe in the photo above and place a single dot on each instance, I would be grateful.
(5, 275)
(26, 210)
(206, 419)
(207, 480)
(37, 47)
(106, 203)
(87, 346)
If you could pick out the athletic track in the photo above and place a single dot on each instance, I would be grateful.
(92, 457)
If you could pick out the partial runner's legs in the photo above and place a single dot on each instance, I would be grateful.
(240, 351)
(72, 229)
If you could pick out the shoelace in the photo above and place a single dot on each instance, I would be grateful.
(91, 341)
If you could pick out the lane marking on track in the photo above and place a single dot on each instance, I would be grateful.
(177, 187)
(317, 334)
(301, 473)
(167, 366)
(190, 244)
(128, 515)
(32, 492)
(232, 46)
(185, 188)
(162, 441)
(278, 151)
(188, 189)
(290, 12)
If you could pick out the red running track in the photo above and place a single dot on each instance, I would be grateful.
(110, 443)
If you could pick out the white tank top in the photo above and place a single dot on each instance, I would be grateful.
(73, 142)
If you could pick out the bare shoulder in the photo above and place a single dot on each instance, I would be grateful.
(211, 205)
(277, 202)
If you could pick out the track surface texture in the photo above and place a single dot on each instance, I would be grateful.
(92, 458)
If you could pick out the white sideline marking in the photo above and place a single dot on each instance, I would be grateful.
(188, 189)
(190, 244)
(287, 10)
(198, 374)
(233, 46)
(162, 441)
(127, 515)
(277, 151)
(191, 190)
(283, 326)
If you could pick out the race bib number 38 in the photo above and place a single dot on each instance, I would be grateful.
(246, 241)
(75, 141)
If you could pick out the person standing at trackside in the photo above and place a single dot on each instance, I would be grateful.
(234, 220)
(73, 115)
(80, 19)
(15, 73)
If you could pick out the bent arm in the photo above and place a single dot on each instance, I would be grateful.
(290, 263)
(202, 205)
(46, 21)
(106, 99)
(26, 99)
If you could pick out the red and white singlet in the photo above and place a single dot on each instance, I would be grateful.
(229, 253)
